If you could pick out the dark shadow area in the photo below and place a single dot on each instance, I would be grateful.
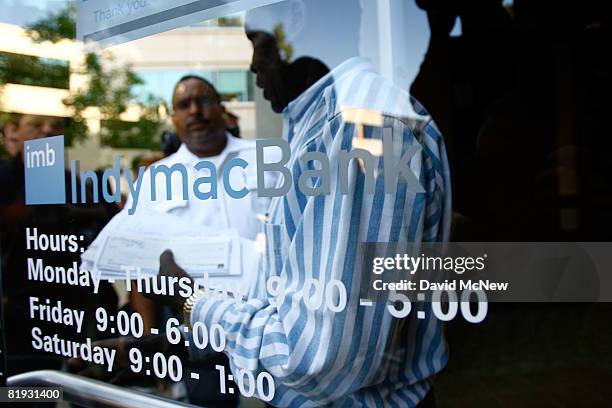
(522, 97)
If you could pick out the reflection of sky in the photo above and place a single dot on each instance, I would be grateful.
(416, 41)
(410, 31)
(23, 12)
(334, 17)
(345, 19)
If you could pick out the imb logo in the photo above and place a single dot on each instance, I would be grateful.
(44, 171)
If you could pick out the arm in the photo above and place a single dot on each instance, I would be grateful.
(319, 353)
(145, 307)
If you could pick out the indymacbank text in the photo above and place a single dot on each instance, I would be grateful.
(395, 171)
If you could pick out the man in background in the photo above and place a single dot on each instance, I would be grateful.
(17, 130)
(9, 135)
(15, 218)
(199, 121)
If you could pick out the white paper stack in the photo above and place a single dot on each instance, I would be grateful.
(134, 243)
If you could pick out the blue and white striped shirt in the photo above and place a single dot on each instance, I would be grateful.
(361, 356)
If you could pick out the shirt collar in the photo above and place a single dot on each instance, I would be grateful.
(185, 156)
(296, 109)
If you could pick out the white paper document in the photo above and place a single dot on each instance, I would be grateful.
(197, 255)
(137, 241)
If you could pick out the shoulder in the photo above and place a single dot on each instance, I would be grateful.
(373, 94)
(168, 161)
(247, 150)
(238, 144)
(242, 148)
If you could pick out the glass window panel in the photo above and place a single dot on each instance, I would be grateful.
(232, 85)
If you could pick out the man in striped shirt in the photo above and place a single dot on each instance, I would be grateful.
(355, 356)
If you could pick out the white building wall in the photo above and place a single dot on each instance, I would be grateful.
(188, 48)
(195, 48)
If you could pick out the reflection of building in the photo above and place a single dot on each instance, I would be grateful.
(40, 76)
(36, 93)
(219, 54)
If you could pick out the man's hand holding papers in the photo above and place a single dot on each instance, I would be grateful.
(170, 271)
(129, 249)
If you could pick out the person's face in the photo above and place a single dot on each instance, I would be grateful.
(36, 127)
(197, 116)
(11, 139)
(269, 69)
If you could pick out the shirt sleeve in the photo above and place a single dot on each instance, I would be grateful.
(319, 353)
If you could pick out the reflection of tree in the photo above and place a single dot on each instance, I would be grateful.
(234, 21)
(283, 45)
(109, 89)
(55, 27)
(30, 70)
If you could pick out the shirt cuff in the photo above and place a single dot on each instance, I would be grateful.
(208, 310)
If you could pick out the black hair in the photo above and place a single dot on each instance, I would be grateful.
(199, 78)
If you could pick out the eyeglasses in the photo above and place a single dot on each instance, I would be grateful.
(201, 101)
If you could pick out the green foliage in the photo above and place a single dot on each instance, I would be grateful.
(30, 70)
(109, 87)
(56, 26)
(282, 43)
(230, 21)
(142, 134)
